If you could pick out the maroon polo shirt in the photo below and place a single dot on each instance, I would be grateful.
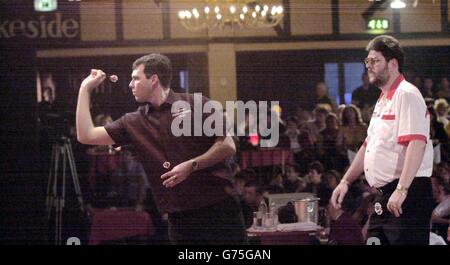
(149, 131)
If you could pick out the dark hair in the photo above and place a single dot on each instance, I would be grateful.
(358, 115)
(389, 47)
(317, 166)
(158, 64)
(334, 174)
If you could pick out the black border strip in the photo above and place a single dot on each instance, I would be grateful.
(444, 16)
(119, 20)
(335, 16)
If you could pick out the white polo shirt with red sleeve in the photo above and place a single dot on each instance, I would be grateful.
(398, 118)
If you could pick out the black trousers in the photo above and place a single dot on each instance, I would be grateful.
(218, 224)
(413, 226)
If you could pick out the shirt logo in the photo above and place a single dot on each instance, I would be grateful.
(378, 208)
(166, 164)
(181, 112)
(388, 117)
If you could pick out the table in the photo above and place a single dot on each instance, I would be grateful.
(120, 223)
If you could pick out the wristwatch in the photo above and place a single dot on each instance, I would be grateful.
(345, 182)
(194, 164)
(402, 189)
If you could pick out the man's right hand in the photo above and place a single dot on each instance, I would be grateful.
(338, 195)
(93, 80)
(87, 133)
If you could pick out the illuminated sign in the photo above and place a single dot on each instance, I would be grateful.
(45, 5)
(378, 24)
(45, 27)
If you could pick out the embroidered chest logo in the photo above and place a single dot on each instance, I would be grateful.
(181, 112)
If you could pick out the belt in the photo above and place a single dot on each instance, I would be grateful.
(388, 188)
(391, 186)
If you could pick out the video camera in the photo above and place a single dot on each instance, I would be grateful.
(57, 124)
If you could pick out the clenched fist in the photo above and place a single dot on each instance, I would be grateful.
(93, 80)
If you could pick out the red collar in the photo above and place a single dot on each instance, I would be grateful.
(393, 87)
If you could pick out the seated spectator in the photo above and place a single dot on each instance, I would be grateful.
(366, 95)
(318, 124)
(316, 186)
(339, 112)
(321, 96)
(442, 108)
(437, 131)
(429, 102)
(438, 135)
(417, 81)
(292, 132)
(293, 182)
(303, 117)
(331, 179)
(344, 230)
(444, 89)
(353, 131)
(326, 144)
(366, 114)
(308, 153)
(428, 89)
(253, 195)
(441, 214)
(276, 183)
(443, 171)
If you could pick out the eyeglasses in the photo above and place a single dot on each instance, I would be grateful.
(371, 61)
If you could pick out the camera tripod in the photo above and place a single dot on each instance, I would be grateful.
(56, 187)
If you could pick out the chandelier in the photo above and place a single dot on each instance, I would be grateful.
(231, 13)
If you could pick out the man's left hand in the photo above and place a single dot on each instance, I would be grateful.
(395, 203)
(178, 174)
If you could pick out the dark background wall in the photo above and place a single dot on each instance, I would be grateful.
(290, 76)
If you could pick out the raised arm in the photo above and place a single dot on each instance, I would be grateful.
(86, 132)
